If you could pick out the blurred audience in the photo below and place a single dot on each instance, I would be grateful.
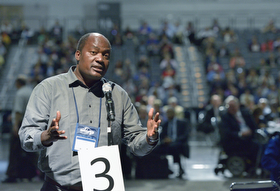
(237, 60)
(238, 127)
(247, 99)
(7, 27)
(223, 51)
(211, 111)
(266, 109)
(270, 27)
(229, 35)
(178, 109)
(258, 117)
(144, 29)
(174, 139)
(254, 45)
(22, 164)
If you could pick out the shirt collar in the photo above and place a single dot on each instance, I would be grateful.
(72, 78)
(73, 81)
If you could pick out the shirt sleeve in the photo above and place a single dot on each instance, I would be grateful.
(134, 133)
(35, 120)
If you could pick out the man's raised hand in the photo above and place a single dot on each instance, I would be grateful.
(53, 134)
(153, 124)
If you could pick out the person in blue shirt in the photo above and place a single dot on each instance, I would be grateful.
(271, 158)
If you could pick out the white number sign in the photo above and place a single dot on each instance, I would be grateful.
(101, 169)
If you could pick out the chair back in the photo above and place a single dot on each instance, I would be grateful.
(267, 185)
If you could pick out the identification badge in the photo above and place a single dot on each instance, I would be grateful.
(86, 137)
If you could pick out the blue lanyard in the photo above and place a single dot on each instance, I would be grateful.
(78, 112)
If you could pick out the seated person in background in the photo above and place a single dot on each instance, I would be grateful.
(174, 139)
(247, 99)
(265, 106)
(274, 105)
(179, 110)
(237, 129)
(158, 107)
(276, 43)
(271, 158)
(223, 51)
(168, 61)
(259, 119)
(215, 74)
(229, 35)
(237, 60)
(254, 45)
(211, 110)
(142, 112)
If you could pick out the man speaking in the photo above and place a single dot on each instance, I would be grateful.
(61, 106)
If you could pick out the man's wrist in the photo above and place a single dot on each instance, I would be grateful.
(44, 142)
(151, 140)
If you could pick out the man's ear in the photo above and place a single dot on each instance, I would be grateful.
(77, 55)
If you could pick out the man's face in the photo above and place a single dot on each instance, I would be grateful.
(170, 114)
(233, 107)
(216, 102)
(94, 58)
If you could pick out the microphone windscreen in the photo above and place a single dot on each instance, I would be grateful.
(106, 87)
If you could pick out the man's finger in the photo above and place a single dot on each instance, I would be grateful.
(156, 117)
(61, 132)
(151, 113)
(58, 116)
(62, 137)
(158, 122)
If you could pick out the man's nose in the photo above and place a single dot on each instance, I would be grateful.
(99, 57)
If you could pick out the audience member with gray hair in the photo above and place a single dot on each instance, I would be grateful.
(237, 129)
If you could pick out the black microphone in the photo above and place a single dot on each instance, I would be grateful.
(107, 90)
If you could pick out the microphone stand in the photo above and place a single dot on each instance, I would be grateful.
(109, 131)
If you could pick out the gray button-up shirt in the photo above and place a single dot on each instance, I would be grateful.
(55, 94)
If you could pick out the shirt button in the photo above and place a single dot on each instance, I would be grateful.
(89, 105)
(90, 121)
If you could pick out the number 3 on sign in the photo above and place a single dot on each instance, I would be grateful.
(101, 169)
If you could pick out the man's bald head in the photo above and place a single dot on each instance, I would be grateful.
(83, 39)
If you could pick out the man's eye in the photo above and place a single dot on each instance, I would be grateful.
(107, 56)
(93, 52)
